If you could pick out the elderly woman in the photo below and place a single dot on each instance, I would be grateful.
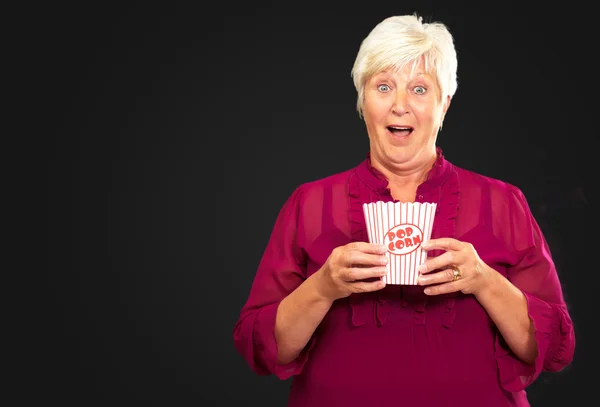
(487, 315)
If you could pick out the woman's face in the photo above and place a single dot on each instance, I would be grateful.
(403, 112)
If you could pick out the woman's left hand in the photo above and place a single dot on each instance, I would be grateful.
(458, 269)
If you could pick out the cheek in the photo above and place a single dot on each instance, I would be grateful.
(377, 112)
(369, 117)
(371, 128)
(376, 105)
(425, 112)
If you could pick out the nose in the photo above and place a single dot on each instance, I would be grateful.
(400, 106)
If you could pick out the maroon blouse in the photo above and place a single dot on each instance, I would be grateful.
(397, 346)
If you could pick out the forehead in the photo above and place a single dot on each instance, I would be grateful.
(411, 69)
(406, 72)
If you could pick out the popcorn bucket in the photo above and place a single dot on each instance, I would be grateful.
(402, 227)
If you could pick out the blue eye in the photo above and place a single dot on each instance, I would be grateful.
(383, 88)
(420, 90)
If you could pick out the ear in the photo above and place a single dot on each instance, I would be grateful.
(446, 105)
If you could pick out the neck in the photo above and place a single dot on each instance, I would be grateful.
(405, 177)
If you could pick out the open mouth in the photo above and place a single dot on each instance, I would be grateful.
(400, 130)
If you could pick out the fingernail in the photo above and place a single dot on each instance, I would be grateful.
(422, 267)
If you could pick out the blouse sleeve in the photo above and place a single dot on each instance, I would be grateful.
(281, 269)
(534, 273)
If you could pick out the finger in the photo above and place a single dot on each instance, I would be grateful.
(365, 287)
(367, 247)
(444, 260)
(363, 273)
(444, 243)
(357, 258)
(440, 277)
(442, 288)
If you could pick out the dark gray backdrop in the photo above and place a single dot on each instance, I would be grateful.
(174, 133)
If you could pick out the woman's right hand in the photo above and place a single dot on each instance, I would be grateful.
(347, 266)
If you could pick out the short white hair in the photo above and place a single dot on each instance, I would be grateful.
(398, 41)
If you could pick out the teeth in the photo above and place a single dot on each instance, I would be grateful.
(400, 128)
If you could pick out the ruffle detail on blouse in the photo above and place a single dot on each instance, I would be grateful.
(445, 226)
(358, 227)
(366, 184)
(555, 348)
(418, 302)
(445, 222)
(359, 304)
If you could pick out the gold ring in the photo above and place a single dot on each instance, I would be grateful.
(456, 274)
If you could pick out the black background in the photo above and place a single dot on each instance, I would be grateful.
(174, 132)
